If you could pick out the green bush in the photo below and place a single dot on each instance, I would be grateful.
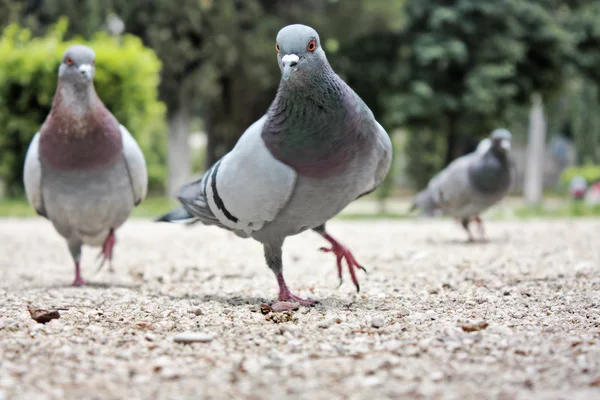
(127, 78)
(590, 172)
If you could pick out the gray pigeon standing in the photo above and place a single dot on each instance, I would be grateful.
(83, 170)
(473, 183)
(317, 149)
(424, 199)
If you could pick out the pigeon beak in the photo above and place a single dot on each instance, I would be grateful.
(505, 144)
(289, 62)
(86, 71)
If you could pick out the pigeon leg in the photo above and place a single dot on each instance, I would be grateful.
(273, 256)
(480, 226)
(78, 279)
(106, 254)
(465, 223)
(75, 250)
(341, 253)
(286, 296)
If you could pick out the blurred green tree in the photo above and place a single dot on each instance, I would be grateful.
(460, 65)
(219, 58)
(215, 57)
(86, 17)
(127, 77)
(449, 71)
(583, 20)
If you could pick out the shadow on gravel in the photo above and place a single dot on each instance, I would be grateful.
(89, 285)
(464, 242)
(329, 303)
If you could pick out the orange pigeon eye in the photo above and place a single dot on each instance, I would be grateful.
(277, 47)
(69, 61)
(94, 63)
(312, 45)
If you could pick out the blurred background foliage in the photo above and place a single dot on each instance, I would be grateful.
(440, 74)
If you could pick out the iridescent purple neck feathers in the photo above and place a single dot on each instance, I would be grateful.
(317, 124)
(79, 132)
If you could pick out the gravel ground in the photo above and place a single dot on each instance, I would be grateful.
(517, 317)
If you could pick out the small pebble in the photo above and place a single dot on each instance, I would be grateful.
(326, 323)
(170, 373)
(403, 312)
(377, 322)
(192, 337)
(437, 376)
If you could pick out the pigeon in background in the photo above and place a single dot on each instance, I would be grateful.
(317, 149)
(472, 183)
(83, 170)
(424, 199)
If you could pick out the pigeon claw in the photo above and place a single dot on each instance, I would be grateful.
(291, 301)
(342, 253)
(78, 281)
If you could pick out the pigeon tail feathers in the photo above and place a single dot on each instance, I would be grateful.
(179, 215)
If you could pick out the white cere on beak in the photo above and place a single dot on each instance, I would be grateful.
(505, 144)
(290, 58)
(85, 68)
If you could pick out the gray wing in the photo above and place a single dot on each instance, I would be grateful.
(32, 176)
(382, 157)
(384, 147)
(136, 165)
(245, 189)
(451, 188)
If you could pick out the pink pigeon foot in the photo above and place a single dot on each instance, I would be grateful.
(288, 301)
(343, 253)
(107, 250)
(78, 279)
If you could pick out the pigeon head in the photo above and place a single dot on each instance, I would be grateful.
(78, 65)
(501, 140)
(299, 51)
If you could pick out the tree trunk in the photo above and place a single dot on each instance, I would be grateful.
(180, 168)
(534, 168)
(451, 139)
